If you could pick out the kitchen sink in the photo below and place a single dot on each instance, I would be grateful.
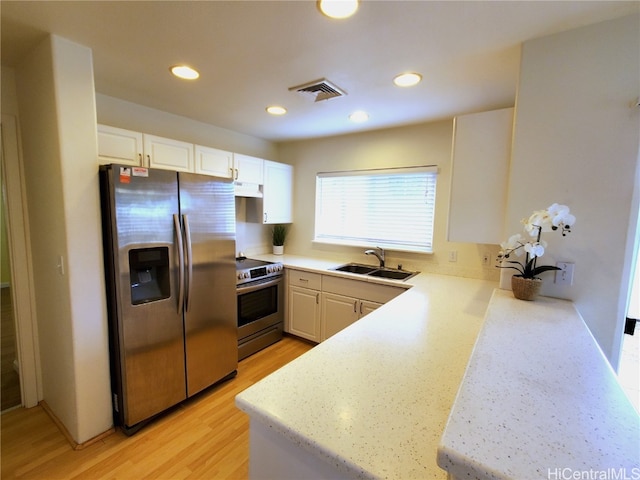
(393, 274)
(375, 271)
(355, 268)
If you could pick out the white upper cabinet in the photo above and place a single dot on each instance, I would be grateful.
(277, 193)
(116, 145)
(270, 182)
(168, 154)
(248, 169)
(211, 161)
(276, 197)
(479, 176)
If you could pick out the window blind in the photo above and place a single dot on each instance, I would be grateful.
(390, 208)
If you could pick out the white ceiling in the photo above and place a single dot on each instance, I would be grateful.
(250, 53)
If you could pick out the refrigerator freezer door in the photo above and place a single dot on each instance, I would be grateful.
(148, 325)
(207, 206)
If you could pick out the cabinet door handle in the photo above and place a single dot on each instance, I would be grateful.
(236, 174)
(317, 298)
(140, 159)
(304, 280)
(355, 307)
(360, 308)
(265, 217)
(148, 160)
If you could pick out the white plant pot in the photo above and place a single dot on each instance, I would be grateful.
(278, 249)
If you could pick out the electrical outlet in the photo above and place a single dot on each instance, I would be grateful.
(486, 259)
(564, 276)
(453, 256)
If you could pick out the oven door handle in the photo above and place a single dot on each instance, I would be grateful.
(259, 285)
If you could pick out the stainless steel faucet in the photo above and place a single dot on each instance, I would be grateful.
(379, 252)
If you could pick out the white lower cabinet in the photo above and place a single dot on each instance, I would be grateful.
(303, 304)
(319, 306)
(339, 311)
(366, 306)
(304, 308)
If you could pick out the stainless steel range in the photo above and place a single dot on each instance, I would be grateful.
(260, 296)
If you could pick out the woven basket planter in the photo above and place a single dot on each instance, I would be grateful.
(525, 288)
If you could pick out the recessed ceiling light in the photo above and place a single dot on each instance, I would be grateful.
(184, 72)
(338, 8)
(359, 116)
(407, 79)
(276, 110)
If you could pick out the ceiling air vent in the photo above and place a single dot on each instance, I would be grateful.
(319, 90)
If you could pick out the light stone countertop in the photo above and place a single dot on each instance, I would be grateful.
(374, 399)
(539, 400)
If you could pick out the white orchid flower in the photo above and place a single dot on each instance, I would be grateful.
(534, 249)
(540, 219)
(514, 242)
(556, 217)
(560, 215)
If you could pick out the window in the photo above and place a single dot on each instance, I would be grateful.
(391, 208)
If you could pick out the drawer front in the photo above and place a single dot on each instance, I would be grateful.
(300, 278)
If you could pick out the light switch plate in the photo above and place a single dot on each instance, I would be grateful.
(564, 276)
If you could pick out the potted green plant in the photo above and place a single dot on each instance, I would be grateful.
(526, 285)
(279, 233)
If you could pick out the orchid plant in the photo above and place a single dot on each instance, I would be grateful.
(556, 217)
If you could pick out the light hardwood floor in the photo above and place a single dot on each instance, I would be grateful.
(207, 437)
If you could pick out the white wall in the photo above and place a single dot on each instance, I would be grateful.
(576, 142)
(57, 111)
(423, 144)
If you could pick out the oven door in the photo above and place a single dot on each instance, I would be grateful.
(260, 305)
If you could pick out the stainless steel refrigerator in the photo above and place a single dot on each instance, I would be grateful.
(169, 244)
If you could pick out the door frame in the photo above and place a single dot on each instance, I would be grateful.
(632, 251)
(18, 239)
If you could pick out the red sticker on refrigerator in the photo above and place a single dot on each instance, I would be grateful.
(125, 174)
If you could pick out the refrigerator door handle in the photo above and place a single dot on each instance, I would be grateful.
(187, 234)
(176, 224)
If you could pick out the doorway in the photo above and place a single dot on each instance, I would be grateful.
(9, 379)
(25, 362)
(629, 371)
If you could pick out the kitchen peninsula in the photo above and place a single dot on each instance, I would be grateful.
(373, 400)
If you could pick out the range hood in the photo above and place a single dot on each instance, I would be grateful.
(243, 189)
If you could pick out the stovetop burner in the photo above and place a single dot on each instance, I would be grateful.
(243, 263)
(250, 270)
